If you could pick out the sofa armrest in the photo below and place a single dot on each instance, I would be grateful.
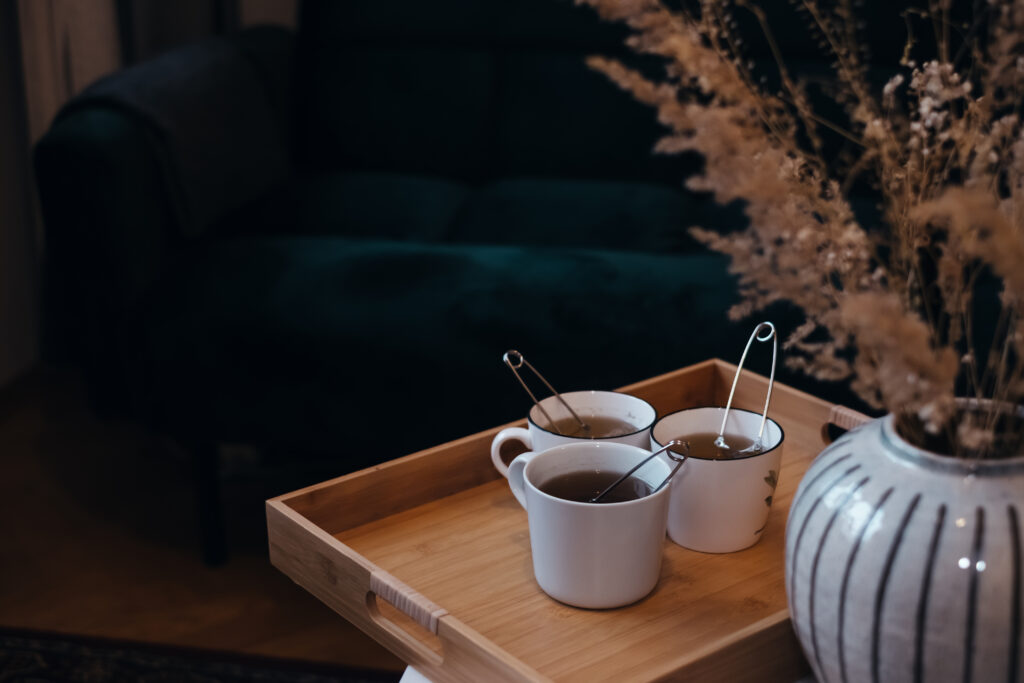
(216, 112)
(108, 226)
(146, 160)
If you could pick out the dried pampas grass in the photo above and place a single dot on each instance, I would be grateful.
(891, 307)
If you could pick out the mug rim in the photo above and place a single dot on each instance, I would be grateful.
(635, 501)
(782, 433)
(530, 420)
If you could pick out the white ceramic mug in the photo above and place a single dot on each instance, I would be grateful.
(721, 506)
(539, 437)
(594, 555)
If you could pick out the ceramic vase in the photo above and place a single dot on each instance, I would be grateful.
(905, 565)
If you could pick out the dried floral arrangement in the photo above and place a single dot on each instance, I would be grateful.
(892, 307)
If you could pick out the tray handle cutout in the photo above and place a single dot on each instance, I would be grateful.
(407, 616)
(405, 599)
(841, 420)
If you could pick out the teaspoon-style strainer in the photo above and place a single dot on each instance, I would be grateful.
(515, 360)
(678, 458)
(757, 446)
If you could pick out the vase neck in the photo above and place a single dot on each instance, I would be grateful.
(903, 450)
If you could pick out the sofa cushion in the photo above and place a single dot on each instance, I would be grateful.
(579, 213)
(365, 350)
(368, 204)
(558, 117)
(469, 90)
(530, 211)
(422, 110)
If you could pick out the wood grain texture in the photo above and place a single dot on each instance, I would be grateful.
(341, 579)
(722, 617)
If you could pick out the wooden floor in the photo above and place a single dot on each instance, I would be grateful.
(98, 537)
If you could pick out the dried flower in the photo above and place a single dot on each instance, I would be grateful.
(892, 308)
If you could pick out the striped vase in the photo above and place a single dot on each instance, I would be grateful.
(904, 565)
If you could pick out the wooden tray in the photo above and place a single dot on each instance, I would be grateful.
(430, 555)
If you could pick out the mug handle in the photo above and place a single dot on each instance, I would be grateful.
(509, 434)
(516, 480)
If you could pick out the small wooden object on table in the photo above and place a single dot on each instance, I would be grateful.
(430, 555)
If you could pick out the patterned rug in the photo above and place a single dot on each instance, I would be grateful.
(37, 657)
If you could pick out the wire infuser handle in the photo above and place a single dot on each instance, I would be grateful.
(675, 457)
(771, 335)
(515, 360)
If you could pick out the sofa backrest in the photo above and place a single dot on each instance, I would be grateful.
(478, 89)
(467, 89)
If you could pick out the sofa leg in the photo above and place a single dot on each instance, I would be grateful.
(213, 535)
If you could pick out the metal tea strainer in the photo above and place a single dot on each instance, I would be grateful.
(757, 446)
(678, 458)
(515, 360)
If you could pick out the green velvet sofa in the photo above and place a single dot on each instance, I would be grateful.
(320, 243)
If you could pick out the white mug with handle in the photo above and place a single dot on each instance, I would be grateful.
(636, 414)
(721, 505)
(593, 555)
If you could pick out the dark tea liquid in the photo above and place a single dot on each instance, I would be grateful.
(702, 445)
(583, 485)
(601, 427)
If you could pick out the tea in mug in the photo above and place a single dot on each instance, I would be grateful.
(583, 485)
(702, 445)
(601, 427)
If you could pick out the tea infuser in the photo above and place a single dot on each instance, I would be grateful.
(678, 458)
(515, 360)
(755, 447)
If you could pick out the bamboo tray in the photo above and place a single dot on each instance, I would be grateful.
(430, 555)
